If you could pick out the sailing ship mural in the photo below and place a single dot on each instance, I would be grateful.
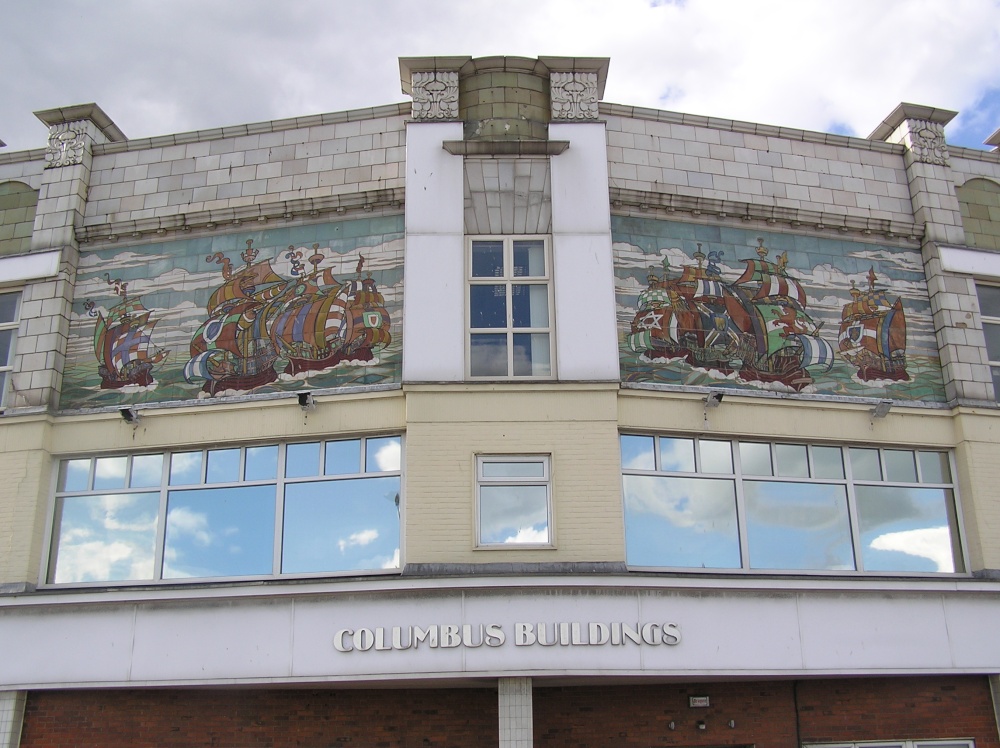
(308, 306)
(122, 341)
(720, 307)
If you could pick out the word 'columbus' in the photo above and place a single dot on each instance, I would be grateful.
(446, 636)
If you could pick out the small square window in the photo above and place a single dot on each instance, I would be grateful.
(9, 319)
(509, 309)
(513, 501)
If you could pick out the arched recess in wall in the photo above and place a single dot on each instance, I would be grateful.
(17, 217)
(980, 203)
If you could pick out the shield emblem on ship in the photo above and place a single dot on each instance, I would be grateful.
(372, 319)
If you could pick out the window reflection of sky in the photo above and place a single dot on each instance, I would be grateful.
(906, 528)
(681, 522)
(219, 532)
(111, 537)
(341, 525)
(797, 526)
(513, 514)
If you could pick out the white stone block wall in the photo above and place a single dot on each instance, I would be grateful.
(217, 172)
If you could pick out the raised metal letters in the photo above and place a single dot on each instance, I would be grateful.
(573, 95)
(435, 95)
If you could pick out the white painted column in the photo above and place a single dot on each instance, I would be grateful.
(583, 271)
(434, 262)
(516, 729)
(11, 717)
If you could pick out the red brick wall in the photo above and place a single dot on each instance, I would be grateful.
(764, 713)
(249, 718)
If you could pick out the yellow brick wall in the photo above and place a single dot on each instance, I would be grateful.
(17, 217)
(979, 200)
(25, 474)
(576, 425)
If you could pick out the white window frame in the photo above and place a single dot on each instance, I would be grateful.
(484, 481)
(508, 279)
(994, 321)
(7, 369)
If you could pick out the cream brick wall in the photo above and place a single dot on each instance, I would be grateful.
(25, 471)
(217, 172)
(447, 428)
(979, 476)
(776, 167)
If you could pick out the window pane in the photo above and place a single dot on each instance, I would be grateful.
(105, 538)
(341, 525)
(677, 455)
(755, 459)
(934, 467)
(681, 522)
(907, 529)
(487, 259)
(798, 526)
(530, 305)
(513, 514)
(219, 532)
(6, 336)
(865, 464)
(488, 306)
(828, 462)
(792, 459)
(223, 466)
(74, 475)
(529, 258)
(488, 355)
(899, 466)
(992, 333)
(531, 355)
(989, 300)
(343, 457)
(302, 460)
(383, 455)
(526, 469)
(8, 307)
(637, 453)
(185, 468)
(109, 472)
(716, 456)
(262, 463)
(147, 471)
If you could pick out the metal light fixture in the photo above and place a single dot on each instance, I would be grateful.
(306, 401)
(129, 414)
(713, 400)
(882, 409)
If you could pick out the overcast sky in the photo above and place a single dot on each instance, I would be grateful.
(176, 65)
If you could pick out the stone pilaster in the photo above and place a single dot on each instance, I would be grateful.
(46, 302)
(11, 717)
(516, 729)
(954, 304)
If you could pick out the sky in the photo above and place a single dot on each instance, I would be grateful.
(173, 66)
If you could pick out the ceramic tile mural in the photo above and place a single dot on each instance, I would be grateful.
(308, 307)
(726, 307)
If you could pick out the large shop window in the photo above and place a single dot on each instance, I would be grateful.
(989, 307)
(898, 744)
(513, 500)
(729, 504)
(313, 508)
(9, 318)
(510, 309)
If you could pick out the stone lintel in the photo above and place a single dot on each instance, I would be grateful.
(83, 112)
(907, 111)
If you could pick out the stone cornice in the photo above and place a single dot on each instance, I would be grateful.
(381, 201)
(907, 111)
(664, 205)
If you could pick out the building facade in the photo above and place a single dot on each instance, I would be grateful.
(502, 417)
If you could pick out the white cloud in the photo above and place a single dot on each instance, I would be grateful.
(388, 457)
(184, 521)
(362, 538)
(529, 535)
(932, 543)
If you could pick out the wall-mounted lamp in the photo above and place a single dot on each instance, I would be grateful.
(882, 409)
(129, 415)
(732, 724)
(306, 401)
(671, 725)
(713, 400)
(701, 724)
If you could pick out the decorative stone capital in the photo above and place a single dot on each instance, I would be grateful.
(574, 95)
(925, 140)
(435, 95)
(65, 147)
